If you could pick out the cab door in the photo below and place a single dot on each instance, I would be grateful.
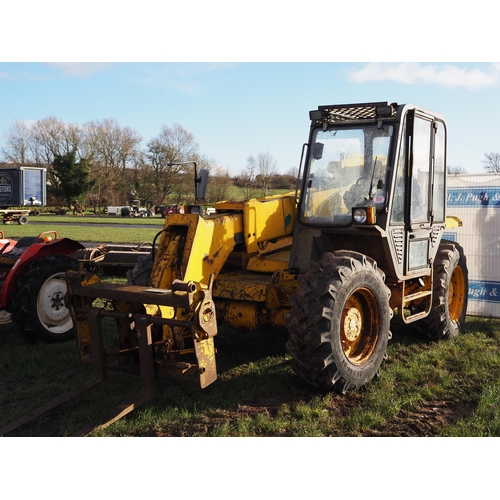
(426, 178)
(419, 175)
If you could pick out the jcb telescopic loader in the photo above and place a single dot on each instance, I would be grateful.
(363, 238)
(330, 262)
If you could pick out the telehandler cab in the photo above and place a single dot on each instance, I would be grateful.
(330, 262)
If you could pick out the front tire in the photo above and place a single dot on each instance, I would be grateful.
(339, 324)
(39, 308)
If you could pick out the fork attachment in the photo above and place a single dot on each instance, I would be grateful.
(180, 322)
(164, 334)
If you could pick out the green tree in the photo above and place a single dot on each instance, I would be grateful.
(72, 177)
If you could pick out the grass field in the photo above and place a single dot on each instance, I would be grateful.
(448, 388)
(100, 229)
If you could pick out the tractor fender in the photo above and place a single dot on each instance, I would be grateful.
(37, 251)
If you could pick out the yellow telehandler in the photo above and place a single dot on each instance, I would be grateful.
(360, 238)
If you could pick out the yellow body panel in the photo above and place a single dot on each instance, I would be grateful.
(264, 219)
(452, 221)
(193, 248)
(269, 263)
(205, 245)
(255, 289)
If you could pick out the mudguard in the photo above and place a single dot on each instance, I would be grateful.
(37, 251)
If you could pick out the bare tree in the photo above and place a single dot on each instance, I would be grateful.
(41, 142)
(266, 167)
(492, 162)
(169, 155)
(219, 183)
(113, 148)
(18, 142)
(52, 137)
(248, 177)
(72, 140)
(456, 170)
(138, 179)
(293, 172)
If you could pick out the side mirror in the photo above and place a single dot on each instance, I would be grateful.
(201, 184)
(318, 150)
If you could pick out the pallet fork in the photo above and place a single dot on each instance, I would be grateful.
(147, 338)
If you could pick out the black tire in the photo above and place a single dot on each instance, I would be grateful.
(141, 274)
(450, 291)
(39, 309)
(339, 324)
(22, 220)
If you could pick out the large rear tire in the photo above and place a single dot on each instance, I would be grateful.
(141, 273)
(339, 324)
(451, 287)
(39, 308)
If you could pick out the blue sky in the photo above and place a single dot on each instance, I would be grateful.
(239, 109)
(243, 77)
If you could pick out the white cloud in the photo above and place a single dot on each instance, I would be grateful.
(448, 75)
(180, 77)
(81, 68)
(17, 76)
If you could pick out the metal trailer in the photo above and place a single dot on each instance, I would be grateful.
(23, 186)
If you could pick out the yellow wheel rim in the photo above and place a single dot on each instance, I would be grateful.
(360, 325)
(456, 294)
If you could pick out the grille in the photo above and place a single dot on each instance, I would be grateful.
(398, 241)
(350, 112)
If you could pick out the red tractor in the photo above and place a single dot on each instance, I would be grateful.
(33, 285)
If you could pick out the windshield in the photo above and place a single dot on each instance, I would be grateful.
(347, 169)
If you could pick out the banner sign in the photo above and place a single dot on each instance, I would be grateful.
(484, 291)
(487, 197)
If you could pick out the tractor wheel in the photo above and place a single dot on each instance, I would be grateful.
(141, 273)
(39, 308)
(22, 220)
(339, 322)
(451, 288)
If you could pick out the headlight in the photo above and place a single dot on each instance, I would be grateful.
(359, 215)
(364, 215)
